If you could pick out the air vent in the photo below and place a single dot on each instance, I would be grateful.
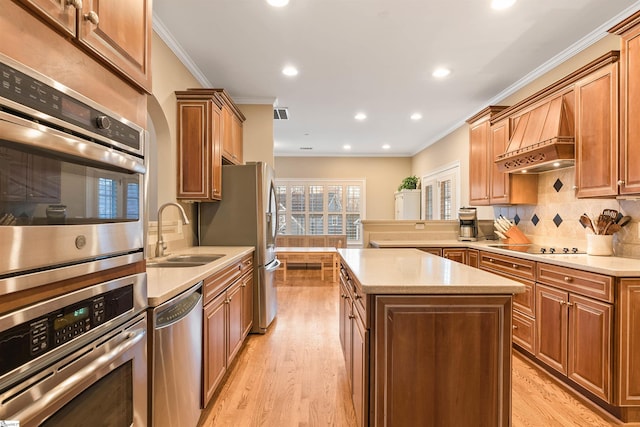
(280, 114)
(306, 148)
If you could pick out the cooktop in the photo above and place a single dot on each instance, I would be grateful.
(537, 249)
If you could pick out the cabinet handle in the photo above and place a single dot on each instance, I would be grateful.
(92, 17)
(562, 302)
(491, 260)
(514, 266)
(75, 3)
(570, 304)
(575, 187)
(343, 296)
(352, 316)
(568, 279)
(515, 327)
(621, 182)
(358, 296)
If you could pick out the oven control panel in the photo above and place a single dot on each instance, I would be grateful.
(33, 338)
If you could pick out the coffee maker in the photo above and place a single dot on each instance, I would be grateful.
(468, 225)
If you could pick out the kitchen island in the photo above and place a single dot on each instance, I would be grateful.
(426, 340)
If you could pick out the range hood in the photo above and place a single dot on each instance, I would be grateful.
(543, 138)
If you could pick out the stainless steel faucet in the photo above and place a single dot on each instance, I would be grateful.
(161, 245)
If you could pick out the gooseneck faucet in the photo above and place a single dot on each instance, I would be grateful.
(161, 245)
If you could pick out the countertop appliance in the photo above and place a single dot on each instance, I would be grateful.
(176, 360)
(538, 249)
(468, 225)
(247, 216)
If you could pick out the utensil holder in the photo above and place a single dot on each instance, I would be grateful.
(599, 244)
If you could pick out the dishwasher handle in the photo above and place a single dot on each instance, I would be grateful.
(177, 308)
(273, 265)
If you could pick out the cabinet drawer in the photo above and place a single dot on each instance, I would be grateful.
(514, 266)
(526, 301)
(221, 280)
(246, 264)
(582, 282)
(524, 331)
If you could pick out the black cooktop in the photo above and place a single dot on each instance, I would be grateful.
(537, 249)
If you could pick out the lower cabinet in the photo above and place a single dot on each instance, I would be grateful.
(455, 254)
(228, 317)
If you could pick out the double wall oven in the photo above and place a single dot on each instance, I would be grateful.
(72, 283)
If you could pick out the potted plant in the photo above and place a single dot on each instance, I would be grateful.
(409, 183)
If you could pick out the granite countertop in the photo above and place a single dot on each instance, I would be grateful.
(609, 265)
(410, 271)
(165, 283)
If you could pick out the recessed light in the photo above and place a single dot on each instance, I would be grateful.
(346, 147)
(416, 116)
(441, 72)
(290, 71)
(278, 3)
(386, 146)
(360, 116)
(502, 4)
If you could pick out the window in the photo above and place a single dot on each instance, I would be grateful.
(440, 193)
(115, 200)
(320, 207)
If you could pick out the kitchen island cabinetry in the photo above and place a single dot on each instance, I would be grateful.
(199, 135)
(439, 335)
(116, 32)
(226, 310)
(629, 30)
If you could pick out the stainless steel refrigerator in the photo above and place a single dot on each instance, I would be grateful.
(247, 216)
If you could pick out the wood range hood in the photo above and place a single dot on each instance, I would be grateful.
(542, 139)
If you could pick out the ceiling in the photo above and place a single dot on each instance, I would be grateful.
(376, 57)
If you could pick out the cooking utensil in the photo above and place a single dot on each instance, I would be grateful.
(586, 222)
(611, 213)
(612, 228)
(624, 220)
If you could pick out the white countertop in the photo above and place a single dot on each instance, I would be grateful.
(609, 265)
(165, 283)
(411, 271)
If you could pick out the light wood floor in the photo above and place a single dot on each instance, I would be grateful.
(295, 376)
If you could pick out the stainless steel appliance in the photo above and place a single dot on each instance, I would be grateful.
(247, 216)
(71, 182)
(468, 225)
(176, 367)
(77, 359)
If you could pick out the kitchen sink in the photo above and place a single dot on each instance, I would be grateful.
(201, 258)
(168, 264)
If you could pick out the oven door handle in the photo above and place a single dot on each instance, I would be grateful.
(43, 405)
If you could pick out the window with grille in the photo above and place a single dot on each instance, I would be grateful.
(321, 207)
(441, 194)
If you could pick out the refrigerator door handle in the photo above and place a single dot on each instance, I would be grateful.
(273, 265)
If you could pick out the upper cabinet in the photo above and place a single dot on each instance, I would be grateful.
(117, 32)
(629, 174)
(199, 145)
(232, 119)
(487, 184)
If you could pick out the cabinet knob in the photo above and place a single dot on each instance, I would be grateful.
(568, 279)
(358, 296)
(92, 17)
(575, 187)
(515, 327)
(352, 316)
(562, 302)
(515, 266)
(621, 182)
(570, 304)
(75, 3)
(491, 260)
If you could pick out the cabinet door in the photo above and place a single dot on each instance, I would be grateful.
(629, 112)
(344, 311)
(590, 342)
(597, 133)
(247, 303)
(119, 32)
(524, 331)
(235, 326)
(57, 12)
(194, 145)
(552, 328)
(472, 258)
(214, 346)
(227, 134)
(360, 361)
(237, 139)
(499, 190)
(478, 163)
(455, 254)
(215, 161)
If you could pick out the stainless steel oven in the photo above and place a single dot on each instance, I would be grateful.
(78, 359)
(71, 182)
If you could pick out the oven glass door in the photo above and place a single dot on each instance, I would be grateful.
(39, 188)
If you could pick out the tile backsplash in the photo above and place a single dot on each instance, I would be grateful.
(555, 219)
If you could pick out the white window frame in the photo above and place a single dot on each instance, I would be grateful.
(306, 182)
(450, 171)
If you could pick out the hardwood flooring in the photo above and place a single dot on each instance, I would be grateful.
(294, 375)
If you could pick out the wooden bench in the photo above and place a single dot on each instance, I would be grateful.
(310, 249)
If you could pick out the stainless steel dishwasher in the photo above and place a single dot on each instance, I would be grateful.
(177, 360)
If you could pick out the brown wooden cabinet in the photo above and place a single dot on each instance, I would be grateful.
(473, 256)
(487, 184)
(597, 132)
(199, 152)
(232, 134)
(228, 305)
(455, 254)
(629, 30)
(117, 32)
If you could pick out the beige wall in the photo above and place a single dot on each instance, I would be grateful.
(455, 146)
(257, 133)
(383, 175)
